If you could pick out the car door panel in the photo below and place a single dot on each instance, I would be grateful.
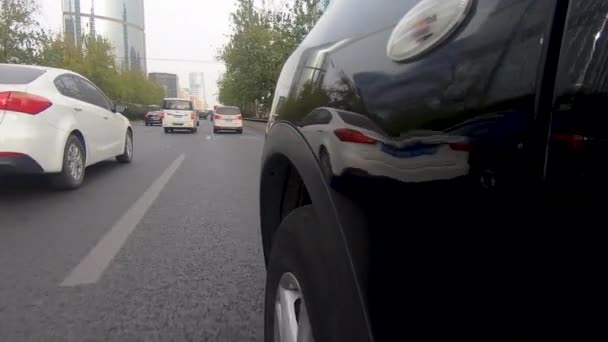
(86, 116)
(473, 96)
(112, 137)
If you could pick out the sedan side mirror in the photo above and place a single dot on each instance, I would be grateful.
(119, 108)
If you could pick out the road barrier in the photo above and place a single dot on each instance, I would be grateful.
(255, 119)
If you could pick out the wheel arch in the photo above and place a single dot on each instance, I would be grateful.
(78, 134)
(291, 177)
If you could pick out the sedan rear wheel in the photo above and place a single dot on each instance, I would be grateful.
(73, 169)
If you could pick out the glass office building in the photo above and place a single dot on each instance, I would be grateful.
(169, 82)
(119, 21)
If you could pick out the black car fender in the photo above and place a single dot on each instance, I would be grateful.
(342, 226)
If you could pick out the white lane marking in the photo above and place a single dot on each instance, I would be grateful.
(91, 268)
(208, 137)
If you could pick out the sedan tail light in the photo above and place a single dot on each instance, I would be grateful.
(191, 115)
(239, 117)
(217, 116)
(21, 102)
(162, 115)
(465, 147)
(353, 136)
(574, 141)
(11, 154)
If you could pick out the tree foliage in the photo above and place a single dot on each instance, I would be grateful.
(96, 61)
(21, 36)
(260, 43)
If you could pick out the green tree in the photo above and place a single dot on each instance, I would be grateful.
(96, 61)
(260, 43)
(21, 36)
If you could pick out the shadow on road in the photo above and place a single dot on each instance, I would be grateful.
(24, 185)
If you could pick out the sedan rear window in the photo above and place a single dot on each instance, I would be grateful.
(359, 120)
(18, 75)
(177, 104)
(228, 111)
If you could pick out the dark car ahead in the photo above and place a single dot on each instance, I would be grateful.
(439, 167)
(153, 118)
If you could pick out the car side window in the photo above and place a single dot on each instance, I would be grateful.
(67, 86)
(316, 117)
(323, 117)
(92, 95)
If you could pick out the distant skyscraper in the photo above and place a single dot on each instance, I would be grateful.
(169, 82)
(121, 22)
(197, 86)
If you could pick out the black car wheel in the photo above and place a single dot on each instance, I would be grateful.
(304, 296)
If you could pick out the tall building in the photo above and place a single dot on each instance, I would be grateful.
(197, 86)
(121, 22)
(184, 93)
(169, 82)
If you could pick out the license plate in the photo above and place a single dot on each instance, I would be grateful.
(410, 151)
(228, 120)
(178, 124)
(178, 116)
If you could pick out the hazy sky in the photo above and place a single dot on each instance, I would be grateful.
(176, 29)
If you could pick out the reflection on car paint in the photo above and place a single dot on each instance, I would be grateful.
(453, 145)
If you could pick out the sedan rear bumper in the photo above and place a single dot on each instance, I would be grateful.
(222, 124)
(16, 163)
(178, 124)
(154, 122)
(224, 128)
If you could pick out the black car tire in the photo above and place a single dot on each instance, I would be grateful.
(147, 124)
(166, 130)
(64, 180)
(240, 131)
(215, 131)
(127, 156)
(295, 250)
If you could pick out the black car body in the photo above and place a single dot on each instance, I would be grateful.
(373, 211)
(153, 118)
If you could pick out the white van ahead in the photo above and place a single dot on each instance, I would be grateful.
(179, 114)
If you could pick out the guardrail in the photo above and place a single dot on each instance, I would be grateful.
(256, 120)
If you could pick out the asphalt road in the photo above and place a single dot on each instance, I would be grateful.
(164, 249)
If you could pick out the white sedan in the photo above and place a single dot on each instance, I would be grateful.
(57, 122)
(350, 142)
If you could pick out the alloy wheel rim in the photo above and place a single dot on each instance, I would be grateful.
(129, 146)
(291, 319)
(75, 163)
